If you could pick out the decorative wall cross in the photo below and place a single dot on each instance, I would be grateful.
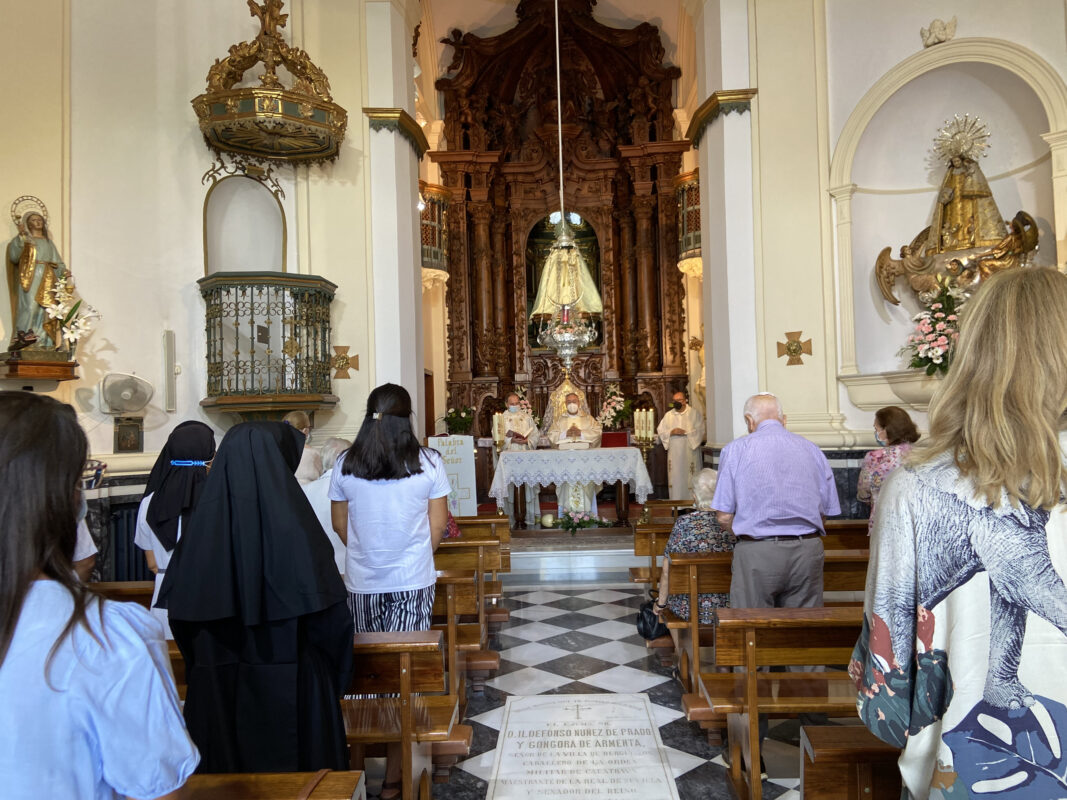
(794, 348)
(343, 362)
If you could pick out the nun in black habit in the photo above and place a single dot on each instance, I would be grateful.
(259, 613)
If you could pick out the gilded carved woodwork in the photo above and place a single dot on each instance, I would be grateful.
(620, 158)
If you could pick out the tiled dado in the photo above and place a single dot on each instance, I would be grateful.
(846, 466)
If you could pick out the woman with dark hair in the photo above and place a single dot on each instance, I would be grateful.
(896, 433)
(258, 612)
(389, 507)
(89, 707)
(173, 489)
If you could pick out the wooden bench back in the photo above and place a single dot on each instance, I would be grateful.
(786, 636)
(700, 573)
(126, 591)
(273, 786)
(460, 585)
(495, 527)
(846, 534)
(481, 555)
(378, 663)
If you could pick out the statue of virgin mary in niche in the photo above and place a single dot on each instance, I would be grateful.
(566, 280)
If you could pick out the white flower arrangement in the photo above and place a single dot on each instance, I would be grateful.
(76, 316)
(616, 408)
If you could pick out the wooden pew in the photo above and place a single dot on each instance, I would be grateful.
(751, 638)
(483, 555)
(846, 534)
(465, 642)
(847, 762)
(494, 527)
(408, 665)
(324, 785)
(662, 510)
(139, 592)
(650, 540)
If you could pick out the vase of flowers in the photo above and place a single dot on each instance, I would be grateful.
(76, 317)
(524, 406)
(459, 420)
(616, 409)
(573, 520)
(937, 329)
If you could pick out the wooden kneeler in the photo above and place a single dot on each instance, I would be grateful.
(323, 785)
(404, 665)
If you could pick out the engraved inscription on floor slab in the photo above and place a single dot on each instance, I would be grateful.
(604, 746)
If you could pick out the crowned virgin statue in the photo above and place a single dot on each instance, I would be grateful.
(34, 267)
(566, 280)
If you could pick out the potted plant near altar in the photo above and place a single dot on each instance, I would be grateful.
(459, 420)
(615, 412)
(573, 520)
(931, 346)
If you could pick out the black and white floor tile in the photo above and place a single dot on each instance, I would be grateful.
(583, 640)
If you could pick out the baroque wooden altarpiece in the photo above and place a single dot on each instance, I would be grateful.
(499, 171)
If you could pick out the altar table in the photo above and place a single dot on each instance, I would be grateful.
(622, 465)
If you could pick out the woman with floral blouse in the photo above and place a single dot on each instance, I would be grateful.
(696, 532)
(895, 432)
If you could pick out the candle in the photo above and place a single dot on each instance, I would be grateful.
(565, 313)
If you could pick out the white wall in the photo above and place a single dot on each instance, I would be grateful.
(137, 158)
(867, 38)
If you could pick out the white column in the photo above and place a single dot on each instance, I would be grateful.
(842, 197)
(731, 314)
(1057, 142)
(393, 189)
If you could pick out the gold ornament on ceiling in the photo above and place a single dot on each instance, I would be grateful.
(269, 122)
(967, 239)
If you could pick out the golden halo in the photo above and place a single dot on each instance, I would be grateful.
(962, 136)
(27, 203)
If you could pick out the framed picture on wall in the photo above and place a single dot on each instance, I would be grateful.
(129, 434)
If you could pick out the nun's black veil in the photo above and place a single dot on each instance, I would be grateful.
(175, 490)
(258, 610)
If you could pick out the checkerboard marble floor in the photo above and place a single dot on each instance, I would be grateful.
(576, 639)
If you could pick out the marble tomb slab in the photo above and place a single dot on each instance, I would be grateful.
(604, 746)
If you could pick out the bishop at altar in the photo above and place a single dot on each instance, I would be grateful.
(681, 431)
(575, 429)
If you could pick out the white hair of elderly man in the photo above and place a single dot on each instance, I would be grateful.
(763, 406)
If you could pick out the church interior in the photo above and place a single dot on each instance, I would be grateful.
(765, 194)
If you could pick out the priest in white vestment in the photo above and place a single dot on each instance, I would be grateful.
(681, 431)
(521, 433)
(575, 429)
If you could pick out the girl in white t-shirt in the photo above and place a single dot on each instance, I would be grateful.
(388, 504)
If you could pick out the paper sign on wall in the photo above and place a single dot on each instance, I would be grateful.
(458, 454)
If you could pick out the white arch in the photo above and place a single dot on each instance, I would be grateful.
(1039, 75)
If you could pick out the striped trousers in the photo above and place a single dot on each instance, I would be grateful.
(392, 611)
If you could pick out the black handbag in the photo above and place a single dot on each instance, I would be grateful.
(649, 625)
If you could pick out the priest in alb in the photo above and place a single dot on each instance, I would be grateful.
(575, 429)
(521, 433)
(681, 431)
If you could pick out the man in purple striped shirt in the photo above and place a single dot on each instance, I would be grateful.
(774, 489)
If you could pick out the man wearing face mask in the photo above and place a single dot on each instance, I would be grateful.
(575, 429)
(681, 431)
(521, 434)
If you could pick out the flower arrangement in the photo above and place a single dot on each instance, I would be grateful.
(76, 316)
(526, 407)
(573, 520)
(616, 409)
(459, 420)
(937, 330)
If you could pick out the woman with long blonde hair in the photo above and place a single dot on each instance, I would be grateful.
(963, 657)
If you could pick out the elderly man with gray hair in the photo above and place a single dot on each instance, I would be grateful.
(773, 492)
(318, 494)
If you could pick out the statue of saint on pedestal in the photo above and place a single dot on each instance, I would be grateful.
(34, 266)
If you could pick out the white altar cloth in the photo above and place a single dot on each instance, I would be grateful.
(542, 467)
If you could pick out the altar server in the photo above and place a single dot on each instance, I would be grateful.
(681, 431)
